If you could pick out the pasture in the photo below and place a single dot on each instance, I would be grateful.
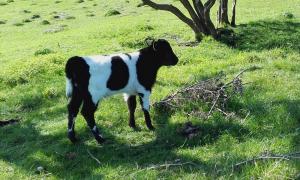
(37, 38)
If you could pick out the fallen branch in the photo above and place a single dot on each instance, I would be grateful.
(166, 166)
(93, 157)
(213, 92)
(287, 157)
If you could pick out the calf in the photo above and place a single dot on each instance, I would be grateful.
(91, 78)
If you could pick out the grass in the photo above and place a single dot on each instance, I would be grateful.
(32, 86)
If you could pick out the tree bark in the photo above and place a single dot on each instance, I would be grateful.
(233, 13)
(223, 12)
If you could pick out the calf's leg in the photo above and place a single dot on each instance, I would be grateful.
(131, 102)
(144, 100)
(73, 109)
(88, 111)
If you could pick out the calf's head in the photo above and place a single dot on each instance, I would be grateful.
(164, 52)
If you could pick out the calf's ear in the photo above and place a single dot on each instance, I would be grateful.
(149, 41)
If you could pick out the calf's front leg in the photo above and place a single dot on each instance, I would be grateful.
(131, 102)
(145, 103)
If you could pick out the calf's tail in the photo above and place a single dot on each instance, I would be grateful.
(70, 76)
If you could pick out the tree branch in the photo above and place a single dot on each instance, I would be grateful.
(172, 9)
(209, 4)
(190, 9)
(198, 6)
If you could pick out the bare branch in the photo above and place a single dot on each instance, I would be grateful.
(209, 4)
(172, 9)
(190, 9)
(92, 156)
(287, 157)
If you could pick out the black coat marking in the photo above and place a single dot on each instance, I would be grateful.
(147, 68)
(119, 74)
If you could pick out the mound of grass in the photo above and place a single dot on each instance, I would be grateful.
(43, 52)
(112, 12)
(90, 15)
(288, 15)
(55, 29)
(35, 16)
(80, 1)
(3, 3)
(3, 21)
(45, 22)
(57, 2)
(10, 1)
(26, 11)
(18, 24)
(145, 27)
(26, 21)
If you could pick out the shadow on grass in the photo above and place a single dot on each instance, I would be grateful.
(31, 147)
(264, 35)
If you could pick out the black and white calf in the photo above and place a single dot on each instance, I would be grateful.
(91, 78)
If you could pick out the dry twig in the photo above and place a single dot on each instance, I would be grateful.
(93, 157)
(268, 156)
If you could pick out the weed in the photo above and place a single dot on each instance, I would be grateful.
(43, 52)
(50, 93)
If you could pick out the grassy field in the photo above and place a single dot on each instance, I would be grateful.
(37, 37)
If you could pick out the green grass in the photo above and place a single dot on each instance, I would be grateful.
(32, 88)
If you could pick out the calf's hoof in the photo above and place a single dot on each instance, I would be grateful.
(151, 128)
(71, 136)
(100, 139)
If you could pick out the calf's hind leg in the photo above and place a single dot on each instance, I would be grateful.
(73, 109)
(88, 111)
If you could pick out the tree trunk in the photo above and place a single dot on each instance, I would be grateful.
(233, 13)
(223, 12)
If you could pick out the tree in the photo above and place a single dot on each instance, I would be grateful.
(223, 12)
(233, 13)
(199, 20)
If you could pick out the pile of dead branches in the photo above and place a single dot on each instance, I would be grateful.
(214, 92)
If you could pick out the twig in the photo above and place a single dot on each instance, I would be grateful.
(212, 107)
(237, 76)
(92, 156)
(163, 166)
(267, 157)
